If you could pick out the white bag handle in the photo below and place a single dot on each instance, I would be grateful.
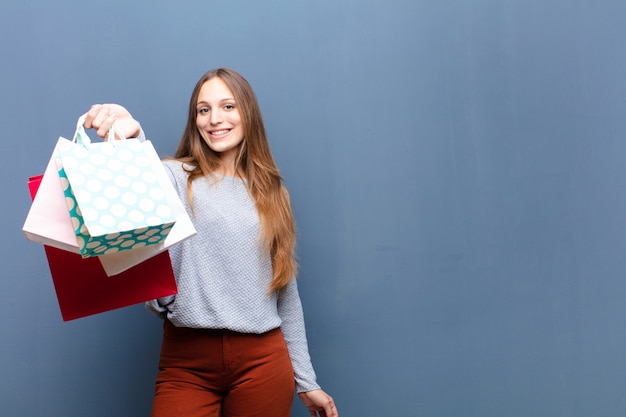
(81, 137)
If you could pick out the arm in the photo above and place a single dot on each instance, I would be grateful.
(290, 311)
(292, 326)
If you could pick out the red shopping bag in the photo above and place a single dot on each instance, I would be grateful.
(33, 184)
(84, 289)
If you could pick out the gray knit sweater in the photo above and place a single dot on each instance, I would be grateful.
(223, 272)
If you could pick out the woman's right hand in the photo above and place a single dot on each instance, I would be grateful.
(102, 116)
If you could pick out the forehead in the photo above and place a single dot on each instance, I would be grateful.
(214, 90)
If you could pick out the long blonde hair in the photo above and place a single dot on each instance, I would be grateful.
(256, 164)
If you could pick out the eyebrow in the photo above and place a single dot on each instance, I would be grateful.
(224, 100)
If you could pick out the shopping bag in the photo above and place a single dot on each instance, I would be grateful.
(33, 184)
(183, 228)
(113, 194)
(48, 221)
(84, 289)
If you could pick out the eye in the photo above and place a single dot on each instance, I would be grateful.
(203, 110)
(229, 107)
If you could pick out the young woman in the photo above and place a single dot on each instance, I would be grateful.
(234, 340)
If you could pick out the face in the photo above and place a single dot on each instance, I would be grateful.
(218, 118)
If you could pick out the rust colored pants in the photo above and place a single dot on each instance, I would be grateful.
(220, 373)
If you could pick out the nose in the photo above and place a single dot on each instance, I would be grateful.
(216, 117)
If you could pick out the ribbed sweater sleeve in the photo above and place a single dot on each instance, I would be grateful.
(294, 331)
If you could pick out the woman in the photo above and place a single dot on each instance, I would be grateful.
(234, 339)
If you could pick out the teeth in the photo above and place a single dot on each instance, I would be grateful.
(219, 132)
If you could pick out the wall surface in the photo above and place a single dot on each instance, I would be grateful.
(457, 172)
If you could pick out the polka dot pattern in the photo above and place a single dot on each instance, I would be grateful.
(114, 197)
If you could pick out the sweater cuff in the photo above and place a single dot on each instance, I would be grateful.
(306, 387)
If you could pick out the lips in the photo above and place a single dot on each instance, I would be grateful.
(217, 134)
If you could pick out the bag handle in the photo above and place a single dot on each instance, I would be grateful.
(81, 137)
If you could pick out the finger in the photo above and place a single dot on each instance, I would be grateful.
(102, 120)
(329, 409)
(91, 115)
(104, 125)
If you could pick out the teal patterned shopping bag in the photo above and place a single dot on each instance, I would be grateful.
(113, 194)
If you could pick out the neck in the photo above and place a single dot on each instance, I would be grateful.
(228, 163)
(227, 166)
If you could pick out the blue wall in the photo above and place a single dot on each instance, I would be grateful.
(458, 174)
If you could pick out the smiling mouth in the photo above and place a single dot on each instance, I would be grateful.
(219, 132)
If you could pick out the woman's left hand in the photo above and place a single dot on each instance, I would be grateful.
(317, 401)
